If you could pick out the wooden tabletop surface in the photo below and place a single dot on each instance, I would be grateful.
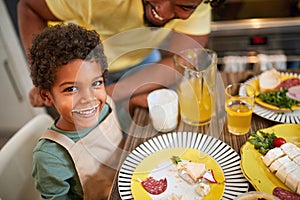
(141, 129)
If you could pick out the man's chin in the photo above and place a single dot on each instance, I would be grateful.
(152, 24)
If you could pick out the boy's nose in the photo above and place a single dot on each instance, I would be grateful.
(87, 96)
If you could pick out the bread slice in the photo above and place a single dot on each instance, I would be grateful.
(269, 80)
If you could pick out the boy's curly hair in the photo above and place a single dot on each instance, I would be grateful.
(58, 45)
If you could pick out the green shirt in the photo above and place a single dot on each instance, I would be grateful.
(53, 169)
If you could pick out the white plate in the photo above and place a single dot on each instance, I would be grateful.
(223, 154)
(277, 116)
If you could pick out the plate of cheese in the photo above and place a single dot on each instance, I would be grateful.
(269, 173)
(202, 158)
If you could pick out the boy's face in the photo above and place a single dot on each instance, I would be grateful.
(78, 94)
(157, 12)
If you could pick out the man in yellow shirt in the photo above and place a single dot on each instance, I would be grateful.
(130, 31)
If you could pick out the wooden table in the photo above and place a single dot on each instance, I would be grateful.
(141, 129)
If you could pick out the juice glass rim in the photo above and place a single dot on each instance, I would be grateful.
(252, 95)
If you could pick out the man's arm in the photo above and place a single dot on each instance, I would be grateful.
(157, 75)
(32, 19)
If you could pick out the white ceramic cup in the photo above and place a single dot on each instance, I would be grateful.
(163, 109)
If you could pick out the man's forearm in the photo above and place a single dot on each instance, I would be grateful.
(161, 74)
(32, 19)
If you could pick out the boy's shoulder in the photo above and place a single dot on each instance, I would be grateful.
(47, 148)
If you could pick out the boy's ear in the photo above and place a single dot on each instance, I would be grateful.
(46, 97)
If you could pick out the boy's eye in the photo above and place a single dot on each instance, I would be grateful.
(97, 83)
(71, 89)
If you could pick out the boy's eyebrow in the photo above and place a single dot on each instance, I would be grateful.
(67, 83)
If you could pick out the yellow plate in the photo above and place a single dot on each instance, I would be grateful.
(159, 165)
(255, 83)
(252, 165)
(152, 158)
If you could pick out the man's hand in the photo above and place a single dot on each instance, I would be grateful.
(138, 101)
(35, 98)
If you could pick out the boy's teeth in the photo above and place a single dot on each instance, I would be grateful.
(86, 111)
(156, 15)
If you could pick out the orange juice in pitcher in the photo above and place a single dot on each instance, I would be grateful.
(196, 90)
(195, 102)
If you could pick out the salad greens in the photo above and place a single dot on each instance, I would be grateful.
(278, 98)
(262, 141)
(176, 159)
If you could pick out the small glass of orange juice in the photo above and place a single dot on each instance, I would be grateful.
(239, 106)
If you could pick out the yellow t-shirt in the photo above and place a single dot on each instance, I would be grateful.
(126, 39)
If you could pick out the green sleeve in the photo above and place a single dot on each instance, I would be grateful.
(54, 174)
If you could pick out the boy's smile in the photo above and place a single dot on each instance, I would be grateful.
(78, 94)
(86, 112)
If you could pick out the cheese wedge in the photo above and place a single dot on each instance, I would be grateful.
(194, 170)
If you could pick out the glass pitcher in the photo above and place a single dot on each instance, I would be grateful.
(197, 88)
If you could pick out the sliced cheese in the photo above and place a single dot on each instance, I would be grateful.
(286, 147)
(293, 179)
(297, 160)
(285, 169)
(278, 163)
(272, 155)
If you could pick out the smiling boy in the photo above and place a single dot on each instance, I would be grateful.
(75, 158)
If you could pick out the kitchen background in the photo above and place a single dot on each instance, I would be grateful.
(246, 34)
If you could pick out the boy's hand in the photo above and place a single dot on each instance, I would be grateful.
(35, 98)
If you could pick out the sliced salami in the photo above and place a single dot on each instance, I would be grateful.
(289, 83)
(155, 186)
(283, 194)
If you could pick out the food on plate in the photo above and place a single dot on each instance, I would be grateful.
(256, 196)
(283, 194)
(294, 93)
(269, 80)
(173, 197)
(195, 174)
(283, 161)
(288, 83)
(272, 155)
(278, 98)
(278, 142)
(202, 189)
(192, 170)
(274, 89)
(155, 186)
(262, 141)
